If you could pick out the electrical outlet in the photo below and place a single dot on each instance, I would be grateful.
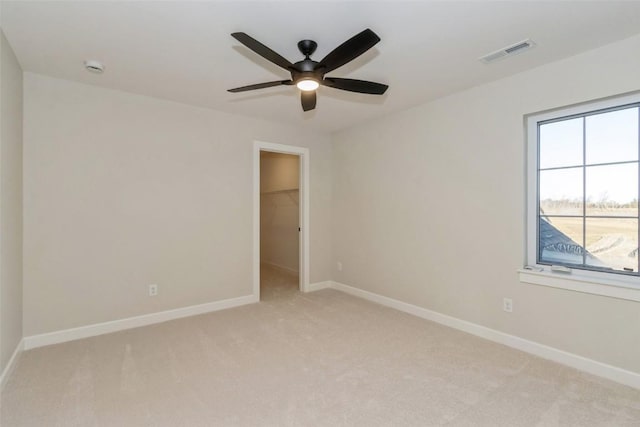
(339, 265)
(153, 290)
(507, 305)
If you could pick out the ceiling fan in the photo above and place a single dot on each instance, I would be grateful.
(308, 74)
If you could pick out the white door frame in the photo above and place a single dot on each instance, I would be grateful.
(303, 263)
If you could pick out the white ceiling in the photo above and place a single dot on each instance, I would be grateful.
(183, 51)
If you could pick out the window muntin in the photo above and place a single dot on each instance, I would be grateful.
(586, 201)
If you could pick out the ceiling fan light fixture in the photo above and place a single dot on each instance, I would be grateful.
(307, 74)
(307, 84)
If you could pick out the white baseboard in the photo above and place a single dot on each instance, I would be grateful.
(312, 287)
(133, 322)
(6, 373)
(594, 367)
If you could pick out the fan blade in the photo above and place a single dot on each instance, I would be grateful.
(349, 50)
(260, 86)
(262, 50)
(308, 98)
(352, 85)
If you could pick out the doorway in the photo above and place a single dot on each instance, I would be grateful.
(281, 201)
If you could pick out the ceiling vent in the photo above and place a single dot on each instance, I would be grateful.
(508, 51)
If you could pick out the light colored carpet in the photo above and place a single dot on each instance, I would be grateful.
(320, 359)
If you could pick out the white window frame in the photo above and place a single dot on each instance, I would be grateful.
(594, 282)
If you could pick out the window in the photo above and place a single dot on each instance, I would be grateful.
(583, 191)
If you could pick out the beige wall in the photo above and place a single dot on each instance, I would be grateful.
(278, 172)
(10, 202)
(122, 191)
(279, 210)
(429, 208)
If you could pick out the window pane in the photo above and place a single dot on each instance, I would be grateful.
(561, 192)
(560, 240)
(612, 243)
(561, 144)
(612, 136)
(612, 190)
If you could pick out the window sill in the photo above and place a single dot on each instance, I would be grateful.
(572, 282)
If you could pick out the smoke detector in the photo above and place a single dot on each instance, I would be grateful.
(94, 66)
(513, 49)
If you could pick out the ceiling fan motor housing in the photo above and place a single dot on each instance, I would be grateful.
(306, 69)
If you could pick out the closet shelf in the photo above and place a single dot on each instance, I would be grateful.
(289, 193)
(280, 191)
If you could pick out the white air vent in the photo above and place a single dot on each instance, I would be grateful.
(508, 51)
